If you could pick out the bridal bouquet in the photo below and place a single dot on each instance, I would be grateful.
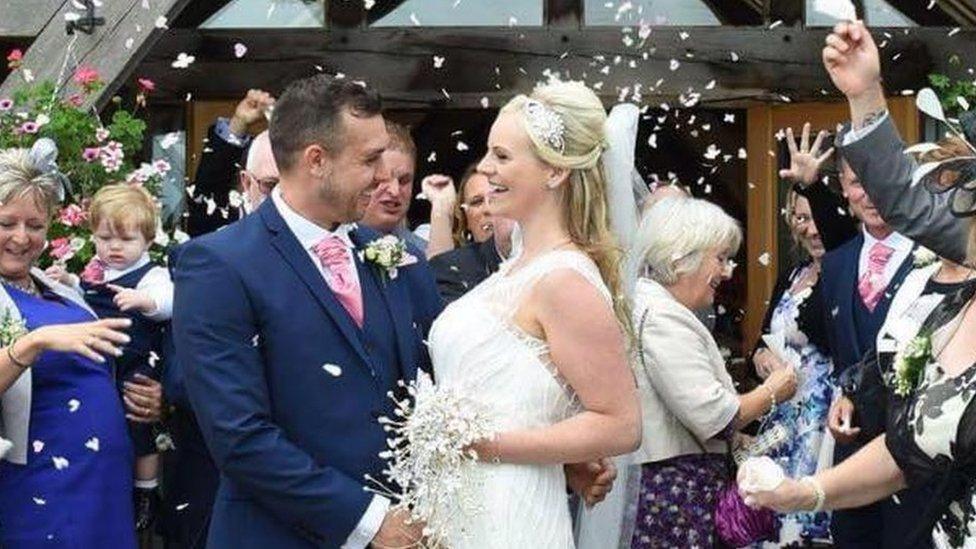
(429, 460)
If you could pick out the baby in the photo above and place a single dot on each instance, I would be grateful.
(121, 281)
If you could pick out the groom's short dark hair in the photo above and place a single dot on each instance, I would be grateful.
(309, 112)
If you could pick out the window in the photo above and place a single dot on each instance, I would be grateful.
(877, 13)
(253, 14)
(457, 13)
(650, 12)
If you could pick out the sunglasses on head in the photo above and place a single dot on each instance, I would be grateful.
(958, 177)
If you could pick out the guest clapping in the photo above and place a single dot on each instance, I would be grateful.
(690, 406)
(67, 481)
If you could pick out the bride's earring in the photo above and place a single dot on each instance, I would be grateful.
(552, 185)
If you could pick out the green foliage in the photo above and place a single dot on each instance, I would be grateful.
(950, 90)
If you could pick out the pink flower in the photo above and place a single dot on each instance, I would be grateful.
(76, 100)
(146, 85)
(72, 215)
(61, 249)
(162, 167)
(91, 154)
(29, 127)
(101, 134)
(85, 75)
(15, 59)
(94, 272)
(6, 104)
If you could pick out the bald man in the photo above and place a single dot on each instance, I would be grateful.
(260, 173)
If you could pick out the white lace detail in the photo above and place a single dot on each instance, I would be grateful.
(477, 347)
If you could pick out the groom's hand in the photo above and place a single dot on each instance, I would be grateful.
(395, 532)
(852, 59)
(592, 481)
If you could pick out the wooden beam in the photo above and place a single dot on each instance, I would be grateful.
(114, 49)
(789, 12)
(494, 63)
(26, 18)
(737, 12)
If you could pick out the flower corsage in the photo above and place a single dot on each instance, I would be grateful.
(387, 254)
(910, 363)
(11, 329)
(923, 257)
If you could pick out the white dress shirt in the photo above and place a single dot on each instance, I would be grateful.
(309, 234)
(902, 246)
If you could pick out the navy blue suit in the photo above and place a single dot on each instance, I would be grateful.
(256, 325)
(851, 333)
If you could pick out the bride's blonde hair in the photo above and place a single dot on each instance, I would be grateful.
(586, 208)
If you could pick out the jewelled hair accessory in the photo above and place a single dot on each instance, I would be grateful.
(546, 125)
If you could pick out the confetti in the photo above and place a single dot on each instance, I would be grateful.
(484, 102)
(332, 369)
(38, 446)
(462, 146)
(240, 50)
(73, 405)
(735, 57)
(183, 61)
(438, 61)
(39, 501)
(92, 444)
(59, 462)
(414, 20)
(161, 22)
(764, 259)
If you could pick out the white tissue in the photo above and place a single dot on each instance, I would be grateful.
(5, 446)
(760, 474)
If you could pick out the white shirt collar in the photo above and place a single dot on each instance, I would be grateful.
(895, 240)
(308, 233)
(112, 274)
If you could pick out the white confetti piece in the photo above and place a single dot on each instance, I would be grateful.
(764, 259)
(183, 61)
(432, 157)
(240, 50)
(161, 22)
(59, 462)
(414, 20)
(462, 146)
(39, 501)
(710, 85)
(182, 506)
(743, 154)
(485, 103)
(954, 31)
(735, 57)
(775, 24)
(73, 405)
(92, 444)
(674, 65)
(38, 446)
(712, 152)
(962, 102)
(729, 118)
(129, 42)
(368, 4)
(332, 370)
(438, 61)
(652, 141)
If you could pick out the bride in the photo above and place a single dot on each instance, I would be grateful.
(542, 343)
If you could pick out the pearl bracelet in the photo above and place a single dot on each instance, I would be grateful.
(818, 491)
(772, 398)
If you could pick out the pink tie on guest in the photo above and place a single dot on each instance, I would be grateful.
(872, 284)
(334, 255)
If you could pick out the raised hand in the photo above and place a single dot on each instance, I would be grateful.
(805, 159)
(852, 60)
(439, 190)
(250, 110)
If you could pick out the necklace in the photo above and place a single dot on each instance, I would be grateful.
(29, 287)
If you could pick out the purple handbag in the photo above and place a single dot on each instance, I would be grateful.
(739, 525)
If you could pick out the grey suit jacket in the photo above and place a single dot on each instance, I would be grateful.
(878, 158)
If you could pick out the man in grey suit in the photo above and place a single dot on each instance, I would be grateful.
(875, 150)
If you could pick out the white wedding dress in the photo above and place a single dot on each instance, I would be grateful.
(478, 349)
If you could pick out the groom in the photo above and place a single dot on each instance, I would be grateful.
(291, 343)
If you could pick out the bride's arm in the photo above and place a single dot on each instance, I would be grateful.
(587, 346)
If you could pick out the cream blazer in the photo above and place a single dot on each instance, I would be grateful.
(15, 402)
(687, 395)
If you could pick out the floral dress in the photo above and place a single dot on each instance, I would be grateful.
(804, 417)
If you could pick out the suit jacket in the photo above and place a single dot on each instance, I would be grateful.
(256, 327)
(216, 176)
(878, 158)
(461, 269)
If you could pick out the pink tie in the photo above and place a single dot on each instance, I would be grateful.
(872, 284)
(94, 272)
(334, 255)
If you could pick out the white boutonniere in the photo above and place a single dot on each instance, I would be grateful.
(11, 329)
(910, 362)
(388, 254)
(923, 257)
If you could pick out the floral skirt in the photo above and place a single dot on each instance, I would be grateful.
(677, 501)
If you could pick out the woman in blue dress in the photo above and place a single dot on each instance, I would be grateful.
(67, 480)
